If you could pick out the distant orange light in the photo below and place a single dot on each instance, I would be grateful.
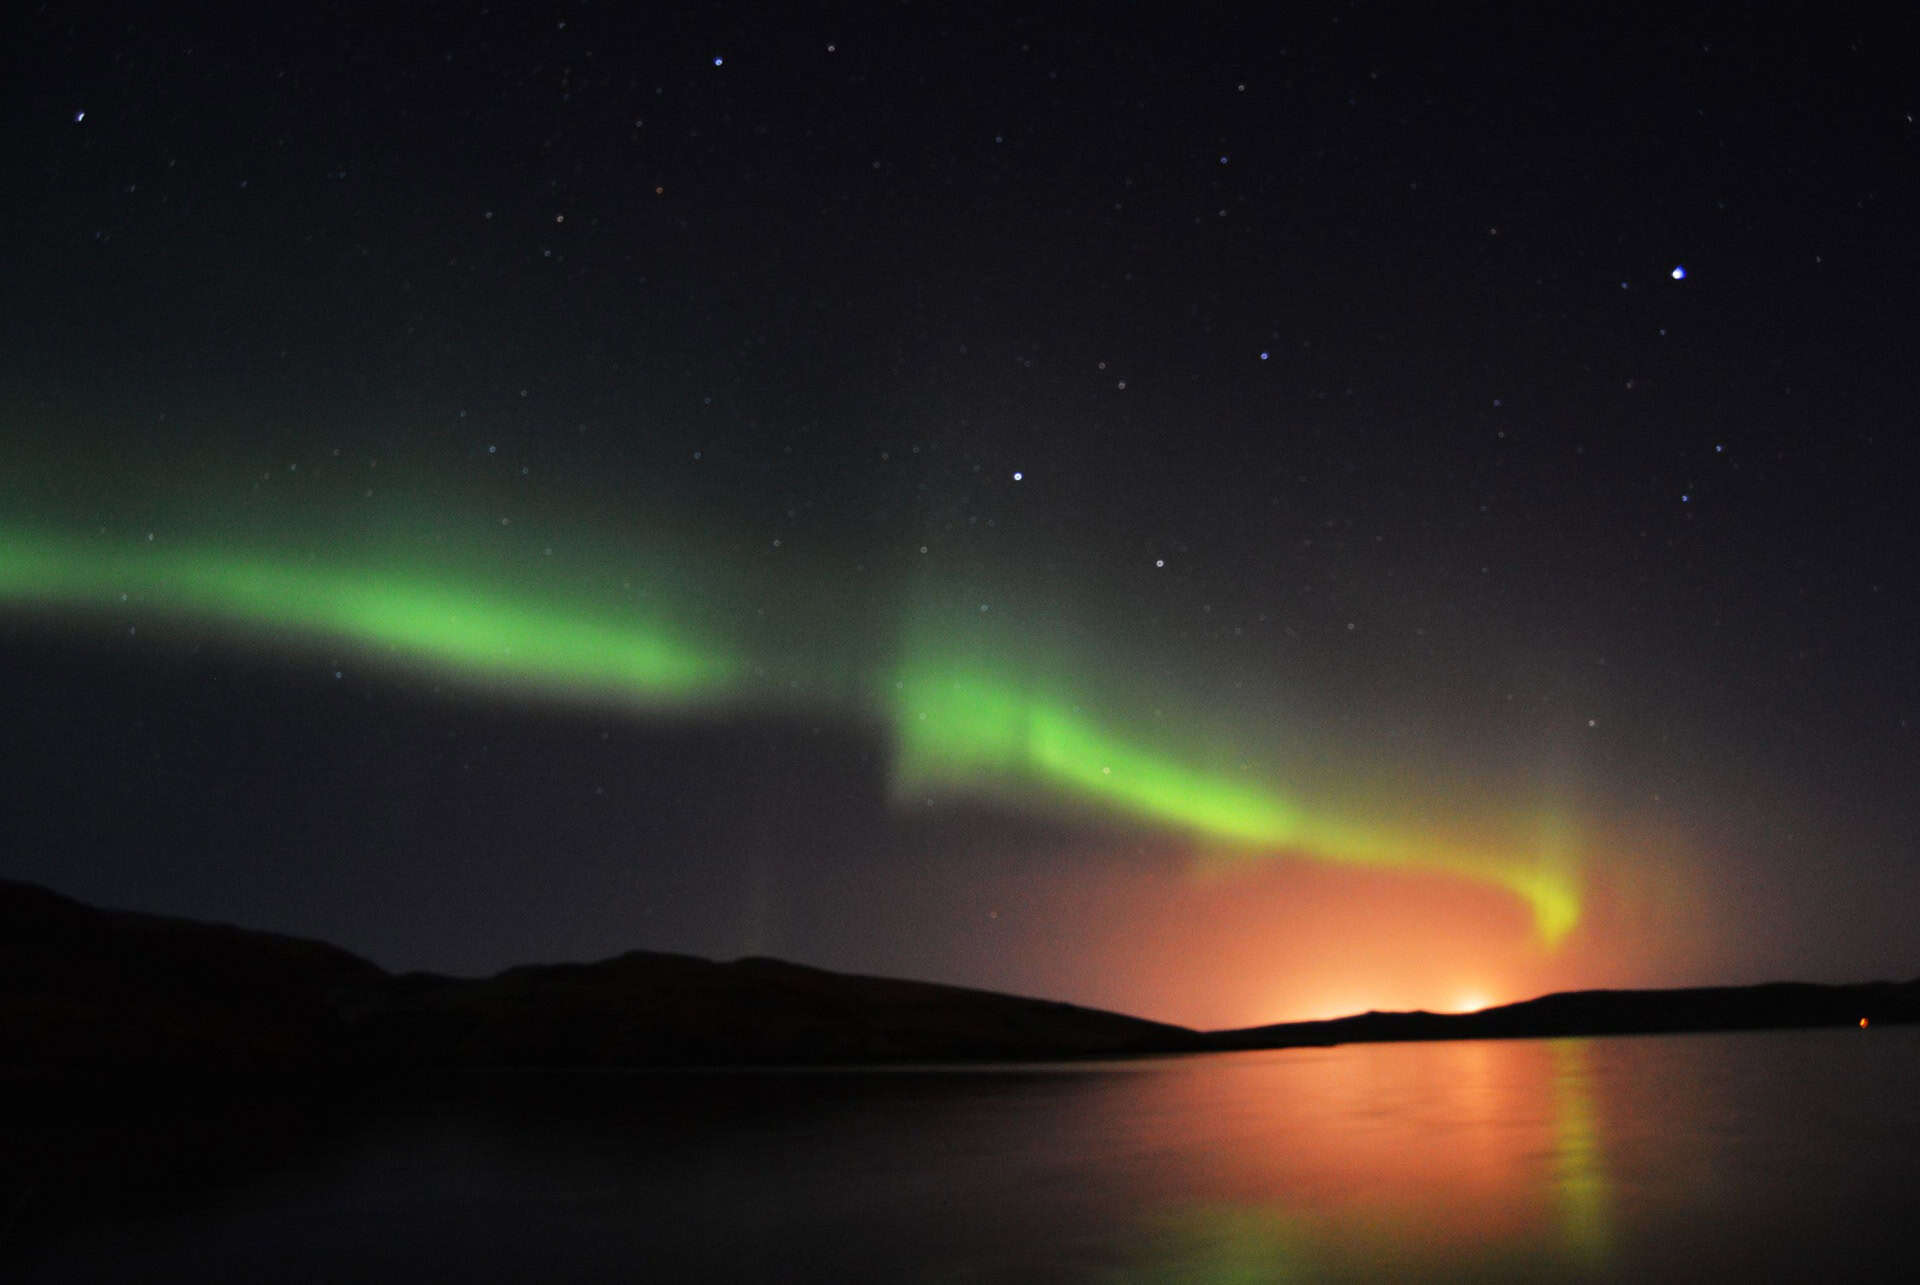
(1863, 1023)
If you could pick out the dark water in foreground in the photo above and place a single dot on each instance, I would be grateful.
(1781, 1155)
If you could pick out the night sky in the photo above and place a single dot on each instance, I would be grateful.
(1227, 523)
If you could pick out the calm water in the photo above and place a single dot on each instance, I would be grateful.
(1772, 1155)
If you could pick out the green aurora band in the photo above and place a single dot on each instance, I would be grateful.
(967, 731)
(403, 615)
(974, 723)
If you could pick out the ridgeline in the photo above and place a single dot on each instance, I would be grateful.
(94, 991)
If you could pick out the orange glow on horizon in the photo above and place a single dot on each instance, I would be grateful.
(1131, 931)
(1334, 1008)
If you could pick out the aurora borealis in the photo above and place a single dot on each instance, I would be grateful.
(407, 616)
(1225, 526)
(957, 724)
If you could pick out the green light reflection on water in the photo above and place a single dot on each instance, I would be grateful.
(1582, 1191)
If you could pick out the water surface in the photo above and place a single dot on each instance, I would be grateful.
(1776, 1155)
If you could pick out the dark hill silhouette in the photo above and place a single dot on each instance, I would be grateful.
(116, 991)
(650, 1009)
(90, 989)
(1772, 1005)
(82, 987)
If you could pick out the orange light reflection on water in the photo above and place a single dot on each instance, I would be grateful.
(1382, 1159)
